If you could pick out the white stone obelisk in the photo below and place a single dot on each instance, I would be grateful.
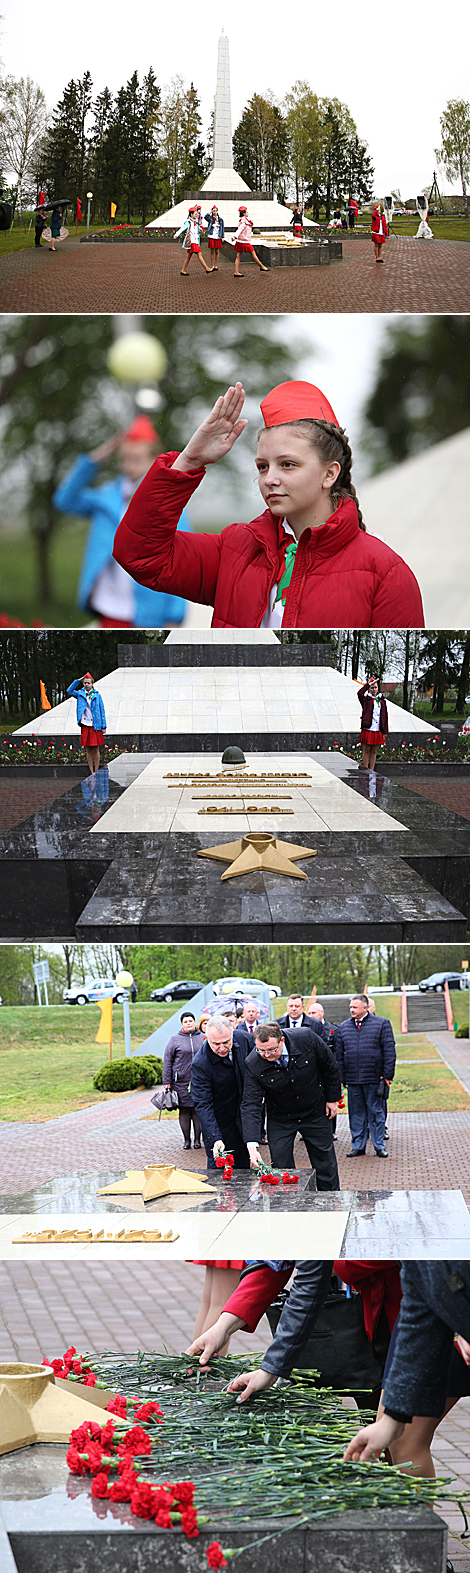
(222, 109)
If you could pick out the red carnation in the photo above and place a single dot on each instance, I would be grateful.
(117, 1406)
(107, 1434)
(100, 1485)
(215, 1555)
(135, 1441)
(219, 1162)
(184, 1492)
(227, 1174)
(163, 1518)
(189, 1523)
(275, 1180)
(76, 1464)
(90, 1379)
(295, 1179)
(147, 1410)
(120, 1490)
(69, 1354)
(142, 1503)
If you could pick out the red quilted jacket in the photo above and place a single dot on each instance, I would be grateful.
(342, 577)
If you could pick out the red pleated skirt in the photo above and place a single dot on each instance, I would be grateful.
(91, 739)
(298, 229)
(214, 245)
(243, 245)
(374, 739)
(193, 248)
(236, 1266)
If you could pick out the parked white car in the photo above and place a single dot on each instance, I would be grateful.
(98, 989)
(236, 986)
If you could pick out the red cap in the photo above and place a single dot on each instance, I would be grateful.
(243, 208)
(296, 401)
(141, 430)
(88, 674)
(193, 209)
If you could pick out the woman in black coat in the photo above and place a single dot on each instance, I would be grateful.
(176, 1074)
(374, 725)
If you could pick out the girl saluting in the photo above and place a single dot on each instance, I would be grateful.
(306, 561)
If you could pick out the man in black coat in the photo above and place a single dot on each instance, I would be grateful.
(217, 1088)
(296, 1073)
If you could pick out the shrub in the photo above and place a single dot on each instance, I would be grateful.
(122, 1075)
(461, 1032)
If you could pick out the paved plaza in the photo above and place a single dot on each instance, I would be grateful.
(43, 1309)
(130, 277)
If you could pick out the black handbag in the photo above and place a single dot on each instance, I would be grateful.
(339, 1350)
(165, 1099)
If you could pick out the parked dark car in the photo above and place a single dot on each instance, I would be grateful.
(183, 989)
(435, 982)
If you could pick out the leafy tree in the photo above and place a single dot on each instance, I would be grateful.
(421, 392)
(260, 144)
(454, 153)
(439, 666)
(56, 659)
(23, 117)
(304, 126)
(57, 397)
(64, 164)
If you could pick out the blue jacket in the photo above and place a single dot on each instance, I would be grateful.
(105, 506)
(364, 1056)
(217, 1093)
(210, 224)
(95, 702)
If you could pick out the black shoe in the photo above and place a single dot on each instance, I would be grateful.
(381, 1152)
(186, 1146)
(449, 1566)
(197, 1145)
(361, 1152)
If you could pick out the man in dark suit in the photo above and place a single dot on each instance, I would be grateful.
(217, 1087)
(296, 1016)
(296, 1073)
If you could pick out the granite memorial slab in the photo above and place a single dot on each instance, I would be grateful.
(398, 1225)
(50, 1523)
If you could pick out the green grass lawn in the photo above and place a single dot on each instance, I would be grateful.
(442, 228)
(22, 239)
(48, 1057)
(18, 577)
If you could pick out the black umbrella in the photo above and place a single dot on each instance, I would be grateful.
(61, 202)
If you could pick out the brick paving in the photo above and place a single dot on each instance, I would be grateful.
(450, 794)
(18, 799)
(147, 278)
(427, 1151)
(44, 1308)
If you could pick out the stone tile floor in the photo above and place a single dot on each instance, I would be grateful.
(43, 1309)
(146, 278)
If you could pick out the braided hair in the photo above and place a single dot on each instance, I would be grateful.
(332, 445)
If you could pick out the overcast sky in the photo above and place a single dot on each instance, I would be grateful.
(395, 68)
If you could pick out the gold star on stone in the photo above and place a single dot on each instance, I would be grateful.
(259, 850)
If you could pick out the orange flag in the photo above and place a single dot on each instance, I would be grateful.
(105, 1029)
(113, 209)
(44, 699)
(312, 999)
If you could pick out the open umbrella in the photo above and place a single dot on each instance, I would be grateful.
(60, 202)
